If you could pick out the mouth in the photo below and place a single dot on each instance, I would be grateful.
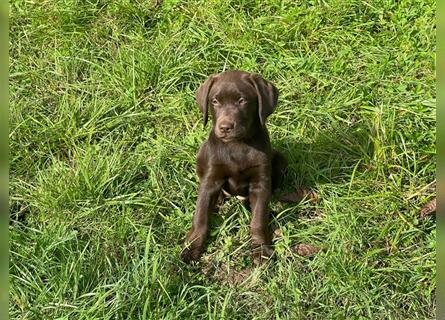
(234, 135)
(226, 138)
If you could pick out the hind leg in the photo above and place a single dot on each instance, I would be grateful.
(279, 166)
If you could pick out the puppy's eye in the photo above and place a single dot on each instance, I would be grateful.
(242, 101)
(214, 101)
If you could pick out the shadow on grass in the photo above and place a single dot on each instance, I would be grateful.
(331, 158)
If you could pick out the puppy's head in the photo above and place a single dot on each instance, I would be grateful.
(239, 103)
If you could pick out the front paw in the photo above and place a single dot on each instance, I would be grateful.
(190, 254)
(261, 253)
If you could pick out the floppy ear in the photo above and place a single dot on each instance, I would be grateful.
(267, 96)
(202, 97)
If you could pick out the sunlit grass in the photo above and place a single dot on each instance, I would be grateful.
(103, 135)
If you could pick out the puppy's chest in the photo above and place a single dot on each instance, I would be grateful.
(237, 184)
(238, 174)
(239, 165)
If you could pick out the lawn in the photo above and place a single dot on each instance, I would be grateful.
(104, 130)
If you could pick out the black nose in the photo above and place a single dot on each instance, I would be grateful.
(226, 127)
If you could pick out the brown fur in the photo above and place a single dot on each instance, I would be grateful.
(237, 156)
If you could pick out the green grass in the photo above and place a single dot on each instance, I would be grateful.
(104, 130)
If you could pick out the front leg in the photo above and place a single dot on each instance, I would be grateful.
(209, 190)
(259, 195)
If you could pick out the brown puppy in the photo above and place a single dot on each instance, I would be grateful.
(237, 157)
